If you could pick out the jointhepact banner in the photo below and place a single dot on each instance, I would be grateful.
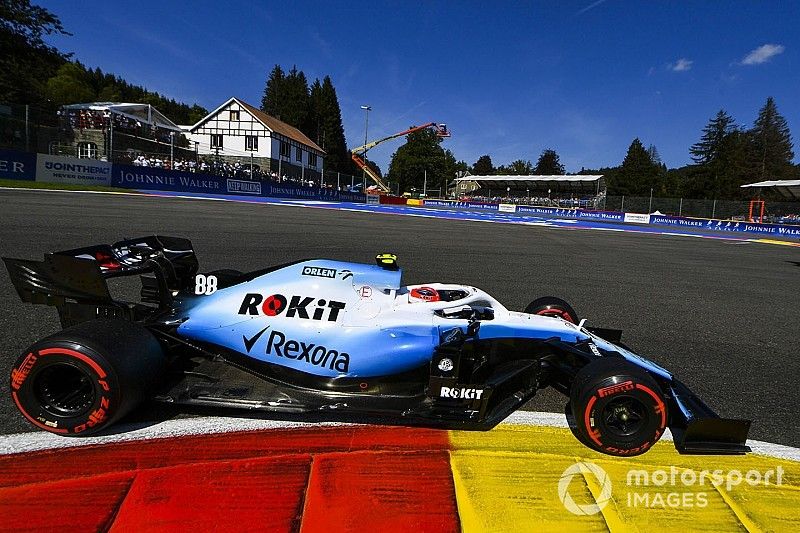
(71, 170)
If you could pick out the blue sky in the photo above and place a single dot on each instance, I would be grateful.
(509, 78)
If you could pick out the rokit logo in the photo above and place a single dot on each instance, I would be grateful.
(313, 354)
(461, 393)
(298, 306)
(319, 272)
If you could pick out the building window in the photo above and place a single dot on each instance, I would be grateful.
(298, 153)
(87, 150)
(251, 143)
(312, 160)
(235, 115)
(216, 140)
(285, 149)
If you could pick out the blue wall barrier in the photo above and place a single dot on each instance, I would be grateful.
(16, 165)
(58, 169)
(777, 230)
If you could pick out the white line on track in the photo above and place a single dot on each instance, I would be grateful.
(40, 440)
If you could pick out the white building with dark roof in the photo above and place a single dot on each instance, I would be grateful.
(237, 131)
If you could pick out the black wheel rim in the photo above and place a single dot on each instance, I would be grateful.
(64, 390)
(624, 416)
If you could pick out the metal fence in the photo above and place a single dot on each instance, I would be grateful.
(27, 128)
(687, 207)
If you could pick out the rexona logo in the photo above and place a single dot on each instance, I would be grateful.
(461, 393)
(319, 272)
(308, 352)
(298, 306)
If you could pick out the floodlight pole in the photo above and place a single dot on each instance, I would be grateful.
(366, 109)
(110, 136)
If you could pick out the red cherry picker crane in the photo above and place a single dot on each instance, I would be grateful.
(357, 154)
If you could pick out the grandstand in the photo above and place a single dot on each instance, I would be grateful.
(586, 191)
(110, 130)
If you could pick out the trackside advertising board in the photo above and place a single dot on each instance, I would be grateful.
(777, 230)
(159, 179)
(16, 165)
(637, 218)
(71, 170)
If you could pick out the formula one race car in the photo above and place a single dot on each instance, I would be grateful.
(319, 336)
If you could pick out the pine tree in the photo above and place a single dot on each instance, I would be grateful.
(637, 174)
(549, 164)
(771, 144)
(721, 155)
(332, 131)
(708, 148)
(316, 113)
(273, 93)
(294, 104)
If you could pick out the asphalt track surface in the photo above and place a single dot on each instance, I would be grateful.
(722, 315)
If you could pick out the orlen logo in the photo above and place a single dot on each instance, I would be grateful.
(298, 306)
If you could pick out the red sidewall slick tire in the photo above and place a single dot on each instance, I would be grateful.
(81, 380)
(618, 408)
(65, 388)
(552, 306)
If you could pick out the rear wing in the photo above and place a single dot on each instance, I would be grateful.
(79, 276)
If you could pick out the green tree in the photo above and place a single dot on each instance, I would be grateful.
(720, 155)
(637, 174)
(26, 61)
(374, 166)
(69, 86)
(710, 146)
(549, 164)
(520, 167)
(771, 144)
(483, 166)
(331, 131)
(421, 153)
(273, 92)
(294, 108)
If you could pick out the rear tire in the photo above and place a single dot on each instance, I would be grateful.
(552, 306)
(618, 408)
(82, 379)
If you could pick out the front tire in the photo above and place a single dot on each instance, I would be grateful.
(81, 380)
(618, 408)
(552, 306)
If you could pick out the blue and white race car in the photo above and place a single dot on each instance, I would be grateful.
(345, 339)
